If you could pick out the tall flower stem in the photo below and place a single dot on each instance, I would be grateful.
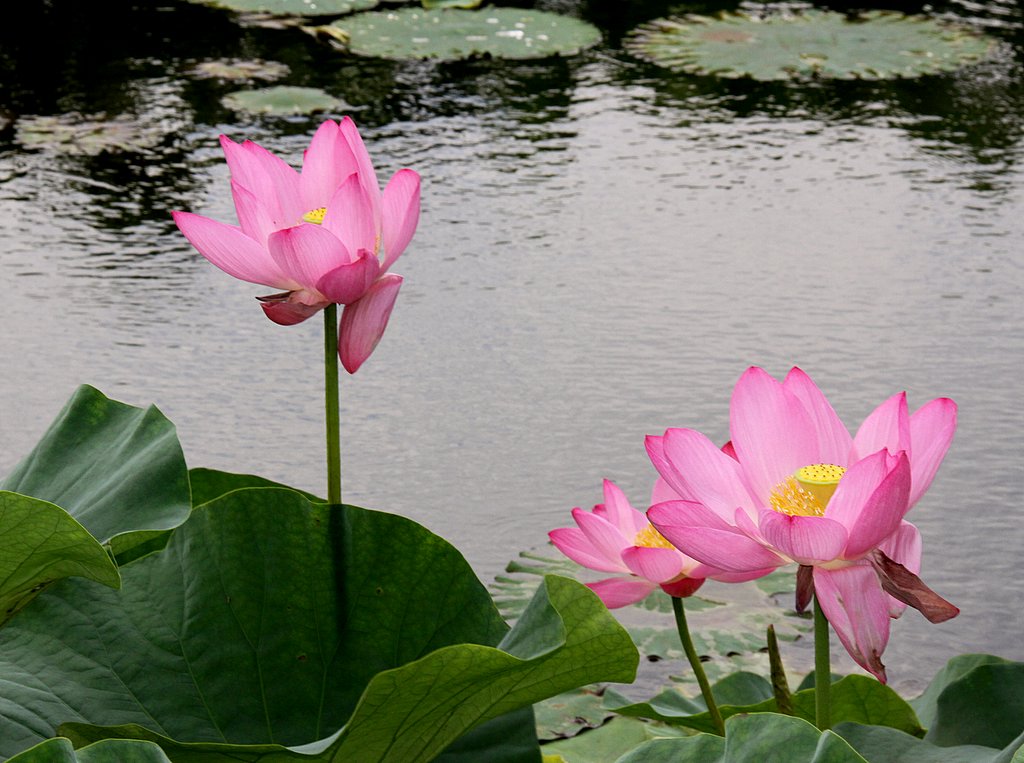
(695, 663)
(822, 670)
(331, 404)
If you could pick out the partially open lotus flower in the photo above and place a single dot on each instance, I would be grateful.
(798, 488)
(615, 537)
(324, 235)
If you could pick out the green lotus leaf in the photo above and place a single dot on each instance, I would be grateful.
(238, 70)
(103, 473)
(609, 742)
(292, 8)
(451, 34)
(893, 746)
(283, 100)
(854, 698)
(208, 484)
(60, 750)
(820, 44)
(41, 543)
(752, 739)
(926, 705)
(271, 628)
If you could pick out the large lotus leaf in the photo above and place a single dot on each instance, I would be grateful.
(926, 705)
(760, 738)
(985, 707)
(208, 484)
(292, 8)
(104, 472)
(854, 698)
(875, 45)
(877, 743)
(60, 750)
(41, 543)
(115, 468)
(269, 621)
(451, 34)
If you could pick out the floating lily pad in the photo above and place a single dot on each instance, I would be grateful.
(292, 8)
(239, 71)
(875, 45)
(451, 34)
(283, 100)
(86, 135)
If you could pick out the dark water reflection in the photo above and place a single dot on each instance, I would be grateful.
(604, 248)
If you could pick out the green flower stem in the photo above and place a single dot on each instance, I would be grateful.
(332, 407)
(698, 668)
(822, 670)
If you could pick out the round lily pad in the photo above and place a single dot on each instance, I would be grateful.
(292, 8)
(450, 34)
(239, 71)
(85, 135)
(875, 45)
(283, 100)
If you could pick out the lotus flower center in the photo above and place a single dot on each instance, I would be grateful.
(649, 537)
(807, 493)
(315, 216)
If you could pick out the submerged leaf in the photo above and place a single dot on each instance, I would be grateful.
(292, 8)
(875, 45)
(238, 70)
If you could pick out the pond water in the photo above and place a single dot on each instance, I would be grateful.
(604, 247)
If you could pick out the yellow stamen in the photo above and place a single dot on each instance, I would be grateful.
(807, 493)
(315, 215)
(649, 537)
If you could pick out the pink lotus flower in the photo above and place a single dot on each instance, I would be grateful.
(798, 488)
(325, 235)
(615, 537)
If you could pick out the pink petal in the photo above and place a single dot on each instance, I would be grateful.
(253, 217)
(702, 534)
(931, 432)
(325, 165)
(363, 322)
(834, 439)
(858, 610)
(286, 312)
(232, 251)
(350, 217)
(696, 469)
(347, 283)
(772, 433)
(620, 512)
(307, 253)
(881, 510)
(657, 564)
(268, 177)
(605, 537)
(619, 592)
(904, 547)
(367, 175)
(662, 491)
(805, 540)
(400, 213)
(574, 544)
(888, 426)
